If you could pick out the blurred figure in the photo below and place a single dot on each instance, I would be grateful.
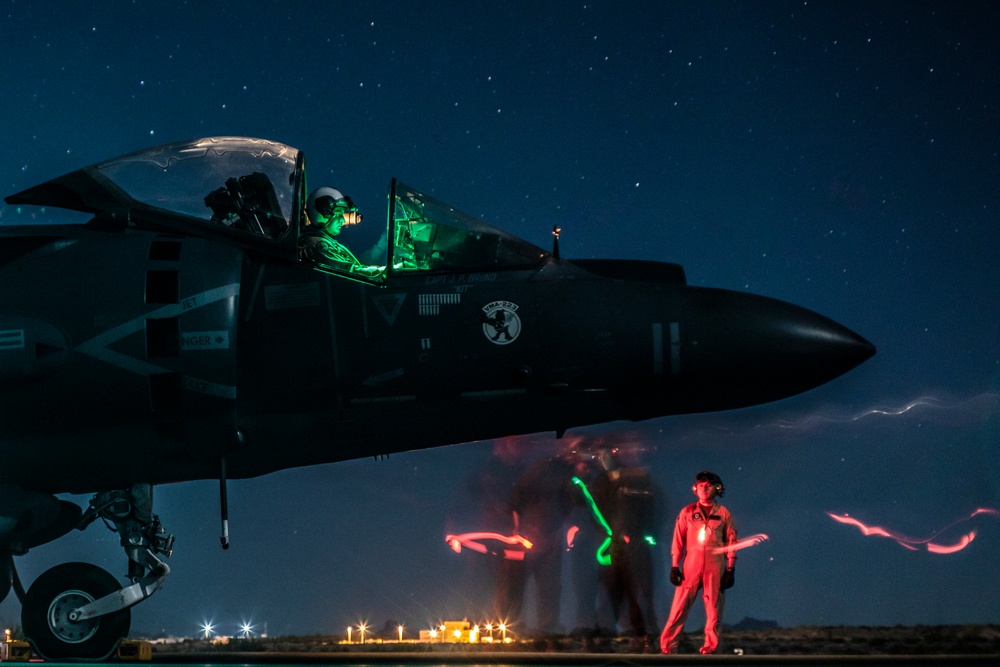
(589, 617)
(702, 531)
(540, 504)
(625, 497)
(482, 504)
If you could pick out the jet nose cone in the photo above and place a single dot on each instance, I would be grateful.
(766, 349)
(818, 347)
(835, 343)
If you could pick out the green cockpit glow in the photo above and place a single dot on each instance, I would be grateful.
(430, 235)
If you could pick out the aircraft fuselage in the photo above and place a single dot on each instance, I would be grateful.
(165, 353)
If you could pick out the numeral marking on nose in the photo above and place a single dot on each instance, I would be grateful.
(658, 348)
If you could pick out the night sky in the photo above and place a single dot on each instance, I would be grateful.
(839, 155)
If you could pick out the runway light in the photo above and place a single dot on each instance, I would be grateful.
(207, 627)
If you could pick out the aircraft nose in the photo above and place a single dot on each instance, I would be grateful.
(764, 349)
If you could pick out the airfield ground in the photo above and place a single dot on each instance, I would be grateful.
(800, 641)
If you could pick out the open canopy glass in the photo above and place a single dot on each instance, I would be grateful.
(252, 192)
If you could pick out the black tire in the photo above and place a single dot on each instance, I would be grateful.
(44, 615)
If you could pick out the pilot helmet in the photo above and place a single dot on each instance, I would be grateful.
(324, 203)
(711, 478)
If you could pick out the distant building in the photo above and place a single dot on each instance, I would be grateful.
(453, 632)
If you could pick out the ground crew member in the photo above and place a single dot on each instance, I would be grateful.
(702, 531)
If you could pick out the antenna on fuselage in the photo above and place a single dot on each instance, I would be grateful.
(224, 503)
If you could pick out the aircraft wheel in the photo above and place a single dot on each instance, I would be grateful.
(58, 591)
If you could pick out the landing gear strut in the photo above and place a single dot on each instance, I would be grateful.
(80, 611)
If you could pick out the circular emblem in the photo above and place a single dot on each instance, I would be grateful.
(501, 325)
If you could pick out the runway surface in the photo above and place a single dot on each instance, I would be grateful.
(531, 659)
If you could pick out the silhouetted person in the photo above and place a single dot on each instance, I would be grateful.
(541, 501)
(625, 497)
(587, 537)
(483, 505)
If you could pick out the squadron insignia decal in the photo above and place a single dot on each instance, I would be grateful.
(501, 325)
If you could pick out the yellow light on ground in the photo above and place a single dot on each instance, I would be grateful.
(401, 633)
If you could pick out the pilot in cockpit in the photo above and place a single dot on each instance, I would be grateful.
(327, 212)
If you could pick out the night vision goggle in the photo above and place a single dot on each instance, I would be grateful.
(329, 207)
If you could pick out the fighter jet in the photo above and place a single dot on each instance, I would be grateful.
(177, 335)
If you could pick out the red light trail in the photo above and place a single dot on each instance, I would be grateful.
(751, 541)
(474, 541)
(915, 544)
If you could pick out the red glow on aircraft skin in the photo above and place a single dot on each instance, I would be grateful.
(475, 542)
(751, 541)
(915, 544)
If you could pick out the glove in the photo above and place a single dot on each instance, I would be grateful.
(675, 576)
(728, 579)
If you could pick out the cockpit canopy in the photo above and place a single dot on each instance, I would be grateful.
(255, 182)
(430, 235)
(252, 193)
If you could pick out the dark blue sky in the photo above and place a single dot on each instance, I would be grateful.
(839, 155)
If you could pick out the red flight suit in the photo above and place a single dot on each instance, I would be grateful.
(700, 537)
